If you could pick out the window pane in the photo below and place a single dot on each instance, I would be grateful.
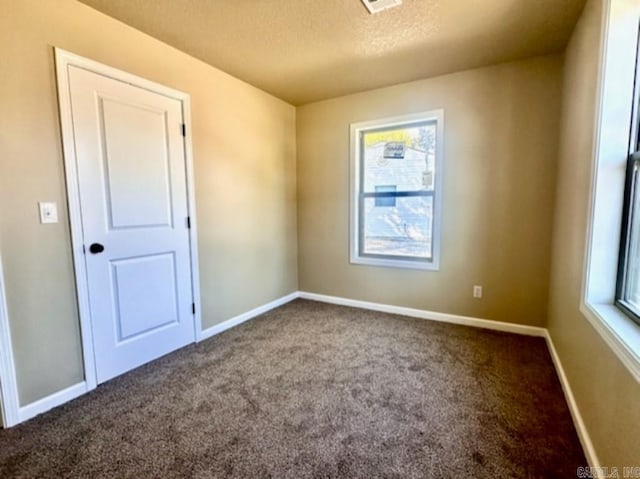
(402, 230)
(632, 293)
(401, 156)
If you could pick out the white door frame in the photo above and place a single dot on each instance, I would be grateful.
(10, 406)
(64, 60)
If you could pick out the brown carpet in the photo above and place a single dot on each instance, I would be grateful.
(314, 390)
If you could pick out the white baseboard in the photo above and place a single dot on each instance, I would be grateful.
(583, 434)
(45, 404)
(61, 397)
(56, 399)
(430, 315)
(230, 323)
(578, 422)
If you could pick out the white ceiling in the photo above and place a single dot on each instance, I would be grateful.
(308, 50)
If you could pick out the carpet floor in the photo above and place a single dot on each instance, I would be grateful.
(319, 391)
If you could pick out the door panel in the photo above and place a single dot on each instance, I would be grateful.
(132, 181)
(149, 151)
(143, 307)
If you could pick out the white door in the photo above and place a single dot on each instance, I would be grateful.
(131, 168)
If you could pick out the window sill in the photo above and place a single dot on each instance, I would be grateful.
(396, 263)
(618, 331)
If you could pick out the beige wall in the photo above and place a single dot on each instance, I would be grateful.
(500, 148)
(244, 153)
(501, 144)
(606, 393)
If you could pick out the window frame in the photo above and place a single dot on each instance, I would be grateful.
(632, 183)
(357, 196)
(610, 148)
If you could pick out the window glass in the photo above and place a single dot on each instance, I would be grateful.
(404, 230)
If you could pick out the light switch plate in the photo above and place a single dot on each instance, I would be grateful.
(48, 212)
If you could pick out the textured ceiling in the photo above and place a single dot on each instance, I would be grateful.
(308, 50)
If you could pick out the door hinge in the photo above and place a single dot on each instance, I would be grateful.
(84, 249)
(193, 308)
(189, 222)
(184, 130)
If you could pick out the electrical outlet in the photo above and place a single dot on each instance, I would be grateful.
(477, 291)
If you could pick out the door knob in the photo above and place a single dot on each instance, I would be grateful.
(96, 248)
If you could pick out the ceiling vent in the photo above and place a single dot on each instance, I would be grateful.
(376, 6)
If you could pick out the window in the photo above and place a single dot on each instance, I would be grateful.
(396, 173)
(604, 288)
(628, 284)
